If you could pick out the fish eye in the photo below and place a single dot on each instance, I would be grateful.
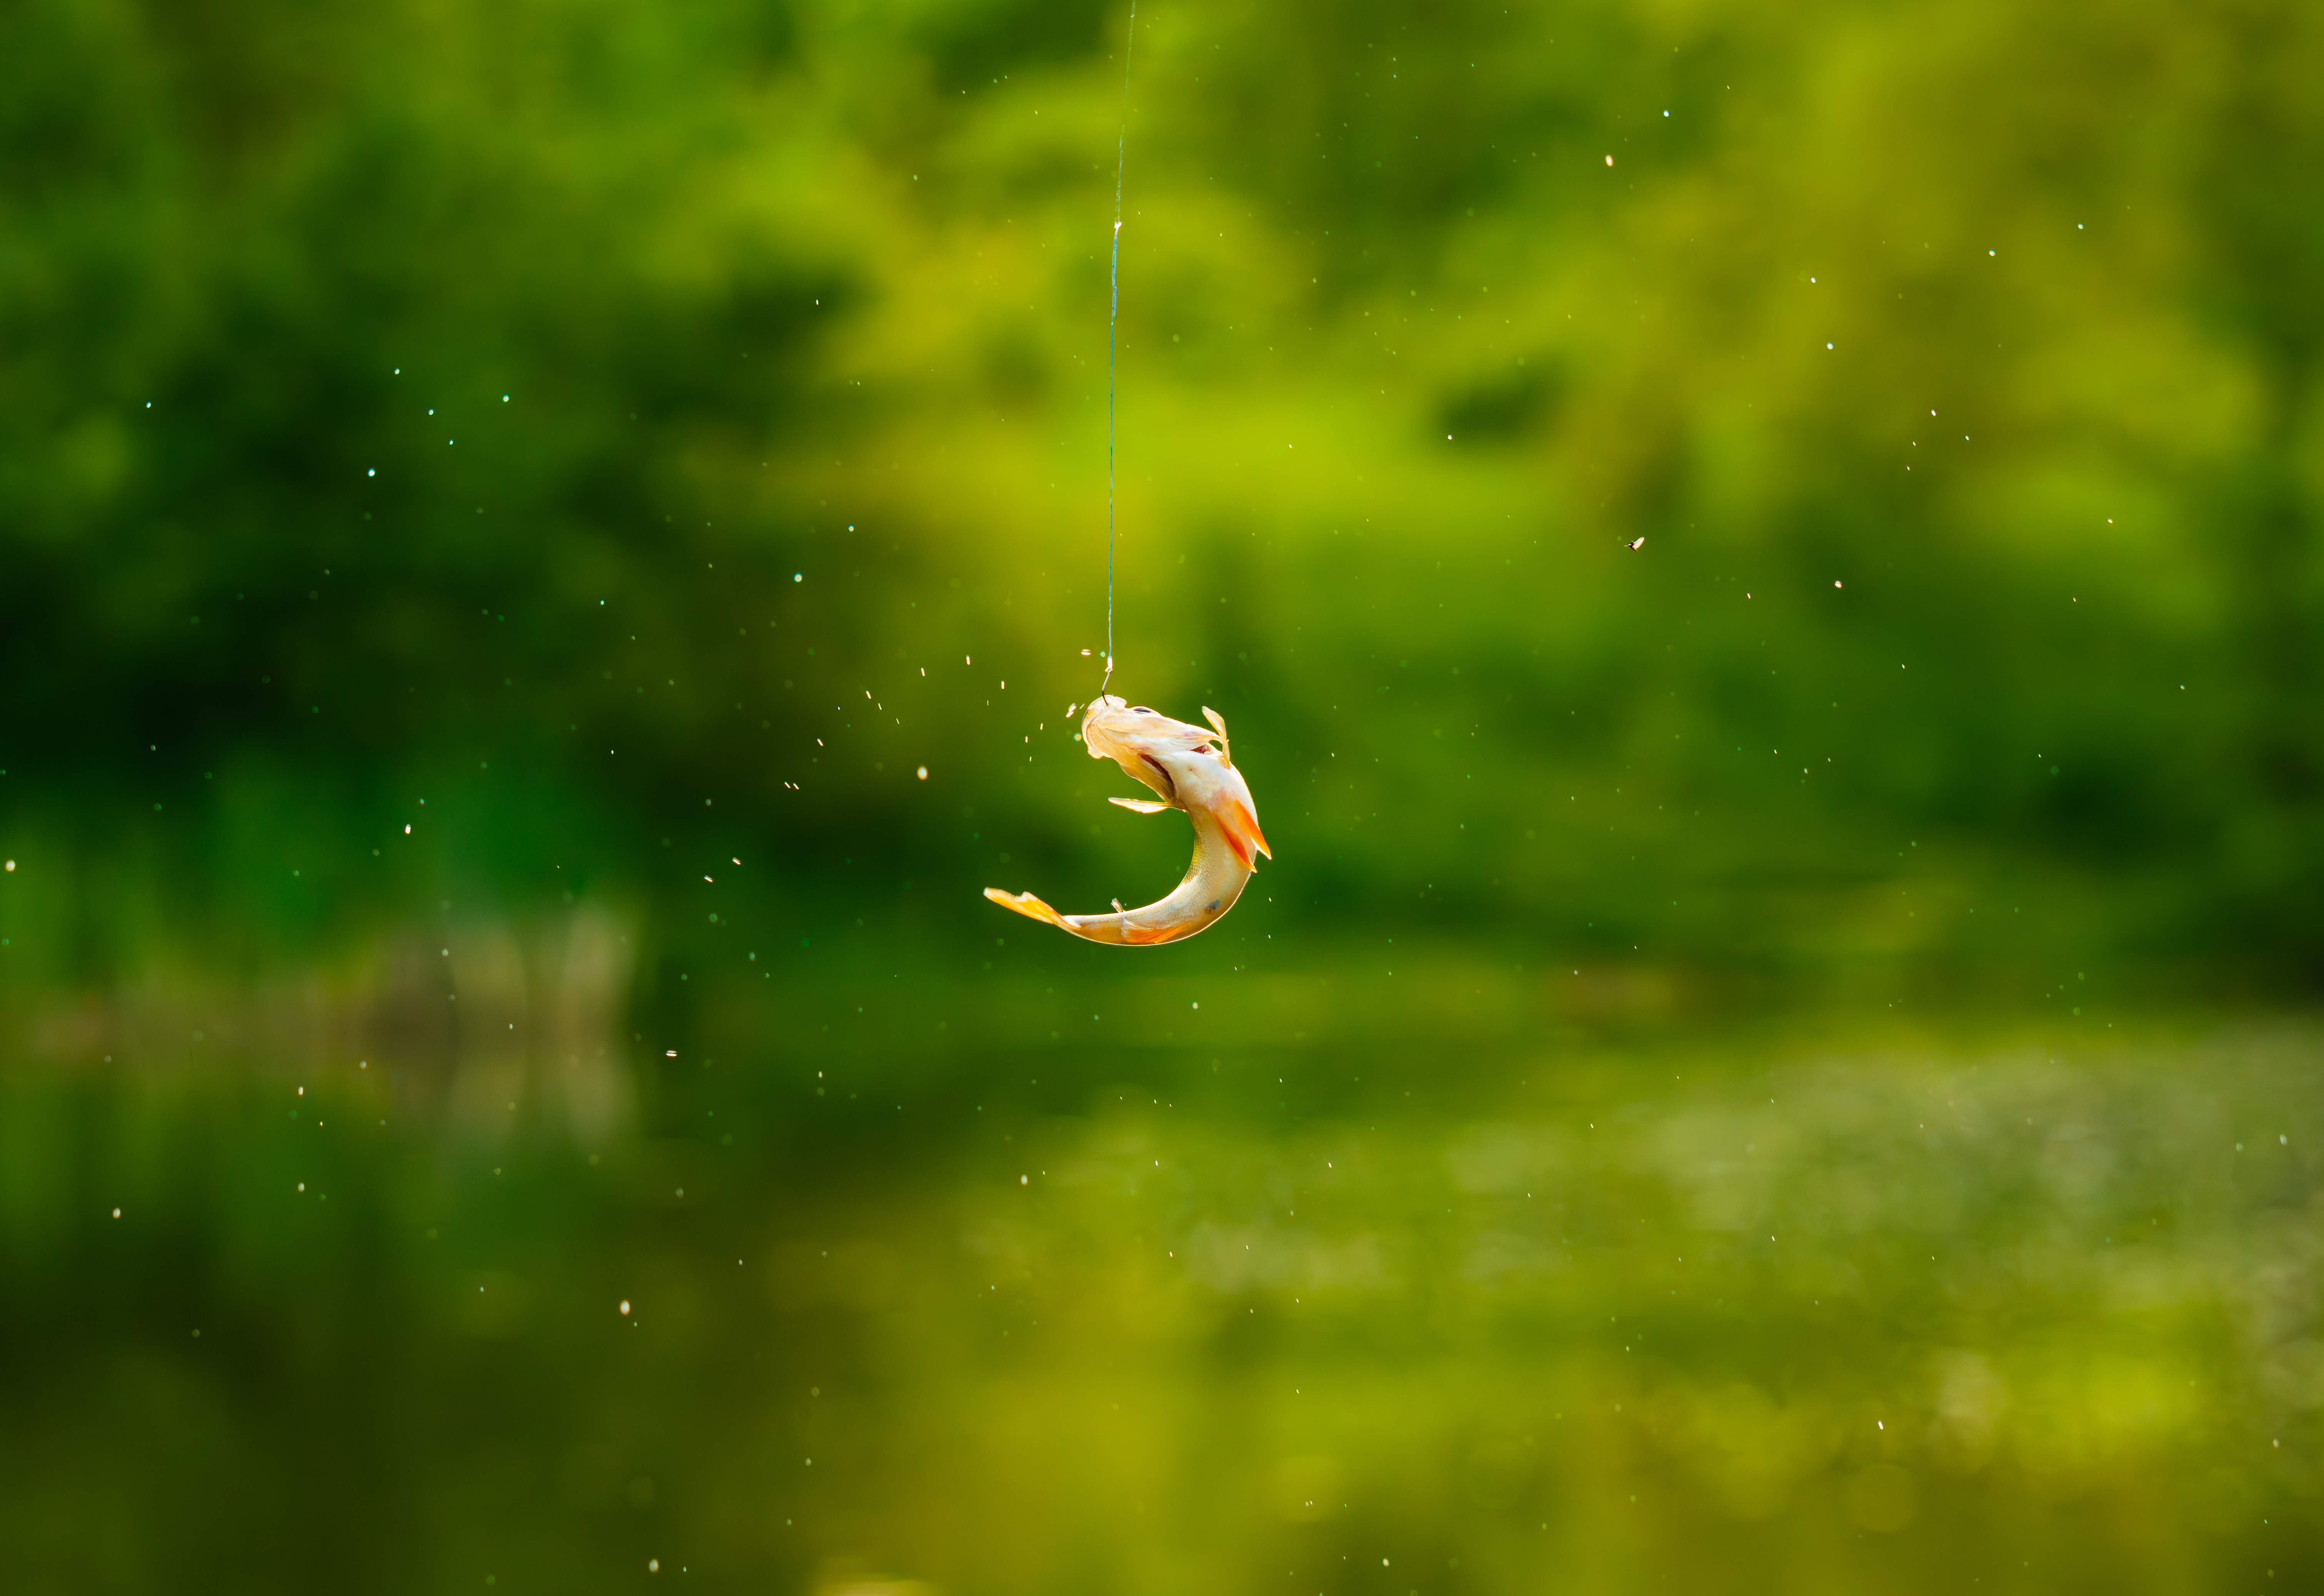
(1141, 709)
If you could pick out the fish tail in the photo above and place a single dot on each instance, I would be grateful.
(1030, 907)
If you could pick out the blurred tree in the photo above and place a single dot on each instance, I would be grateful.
(549, 411)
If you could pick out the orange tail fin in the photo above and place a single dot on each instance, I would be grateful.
(1030, 907)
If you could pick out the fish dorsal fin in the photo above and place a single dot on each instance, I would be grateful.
(1143, 806)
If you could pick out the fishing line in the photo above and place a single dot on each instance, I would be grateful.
(1113, 335)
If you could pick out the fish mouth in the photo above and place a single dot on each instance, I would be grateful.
(1094, 739)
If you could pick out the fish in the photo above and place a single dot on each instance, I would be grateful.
(1192, 769)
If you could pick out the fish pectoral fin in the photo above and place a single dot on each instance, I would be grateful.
(1226, 753)
(1026, 904)
(1143, 806)
(1241, 827)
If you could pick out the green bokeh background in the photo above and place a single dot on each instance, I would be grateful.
(545, 552)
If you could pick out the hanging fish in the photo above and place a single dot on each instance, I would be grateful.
(1192, 770)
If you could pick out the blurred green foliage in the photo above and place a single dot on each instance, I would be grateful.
(546, 550)
(564, 412)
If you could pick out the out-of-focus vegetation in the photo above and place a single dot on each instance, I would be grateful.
(568, 413)
(545, 551)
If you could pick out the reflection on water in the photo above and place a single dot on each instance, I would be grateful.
(476, 1021)
(1700, 1314)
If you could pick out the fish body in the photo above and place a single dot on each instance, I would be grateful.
(1190, 769)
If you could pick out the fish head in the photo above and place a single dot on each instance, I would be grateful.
(1186, 765)
(1099, 722)
(1115, 729)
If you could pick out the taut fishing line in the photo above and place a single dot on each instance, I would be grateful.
(1189, 767)
(1113, 333)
